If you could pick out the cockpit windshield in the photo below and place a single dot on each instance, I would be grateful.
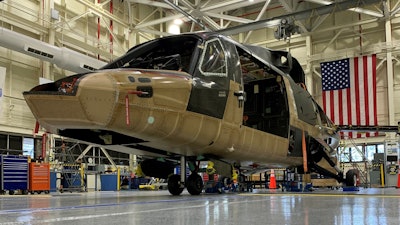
(169, 53)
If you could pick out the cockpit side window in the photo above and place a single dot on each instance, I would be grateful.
(213, 60)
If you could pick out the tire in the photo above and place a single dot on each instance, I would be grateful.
(11, 192)
(174, 184)
(194, 184)
(351, 178)
(226, 181)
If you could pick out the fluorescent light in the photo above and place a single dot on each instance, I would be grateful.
(178, 21)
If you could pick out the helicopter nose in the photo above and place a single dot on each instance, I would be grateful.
(90, 105)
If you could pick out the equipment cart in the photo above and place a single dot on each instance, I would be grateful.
(72, 178)
(13, 174)
(39, 177)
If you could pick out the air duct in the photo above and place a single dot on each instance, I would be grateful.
(62, 57)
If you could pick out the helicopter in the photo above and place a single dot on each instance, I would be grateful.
(192, 97)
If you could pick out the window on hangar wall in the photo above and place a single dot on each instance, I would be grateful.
(352, 154)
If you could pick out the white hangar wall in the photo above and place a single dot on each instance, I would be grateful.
(343, 35)
(75, 25)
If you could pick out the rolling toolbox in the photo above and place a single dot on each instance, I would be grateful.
(13, 174)
(39, 178)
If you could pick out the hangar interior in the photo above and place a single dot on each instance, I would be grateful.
(51, 39)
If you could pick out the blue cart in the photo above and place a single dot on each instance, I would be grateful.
(13, 174)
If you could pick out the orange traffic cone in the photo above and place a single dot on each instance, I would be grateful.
(272, 180)
(398, 180)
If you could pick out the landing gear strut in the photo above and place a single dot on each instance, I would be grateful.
(176, 183)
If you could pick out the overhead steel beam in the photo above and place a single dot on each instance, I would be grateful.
(183, 12)
(151, 3)
(218, 7)
(208, 20)
(319, 22)
(148, 17)
(158, 21)
(228, 5)
(395, 11)
(227, 17)
(211, 11)
(356, 9)
(322, 10)
(263, 10)
(290, 9)
(212, 23)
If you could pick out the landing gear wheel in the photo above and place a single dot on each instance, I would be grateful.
(194, 184)
(226, 181)
(351, 178)
(174, 185)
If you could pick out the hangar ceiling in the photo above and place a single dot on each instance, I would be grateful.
(230, 17)
(236, 16)
(244, 18)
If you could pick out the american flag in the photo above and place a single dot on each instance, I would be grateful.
(349, 91)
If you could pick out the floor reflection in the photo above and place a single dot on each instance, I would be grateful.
(161, 208)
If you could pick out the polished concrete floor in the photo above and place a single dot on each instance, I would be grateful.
(323, 206)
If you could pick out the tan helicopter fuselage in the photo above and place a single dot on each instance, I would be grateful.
(109, 100)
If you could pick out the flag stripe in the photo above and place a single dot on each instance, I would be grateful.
(349, 111)
(375, 105)
(324, 100)
(367, 79)
(340, 99)
(331, 102)
(357, 91)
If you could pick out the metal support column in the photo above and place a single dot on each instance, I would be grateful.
(389, 66)
(309, 73)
